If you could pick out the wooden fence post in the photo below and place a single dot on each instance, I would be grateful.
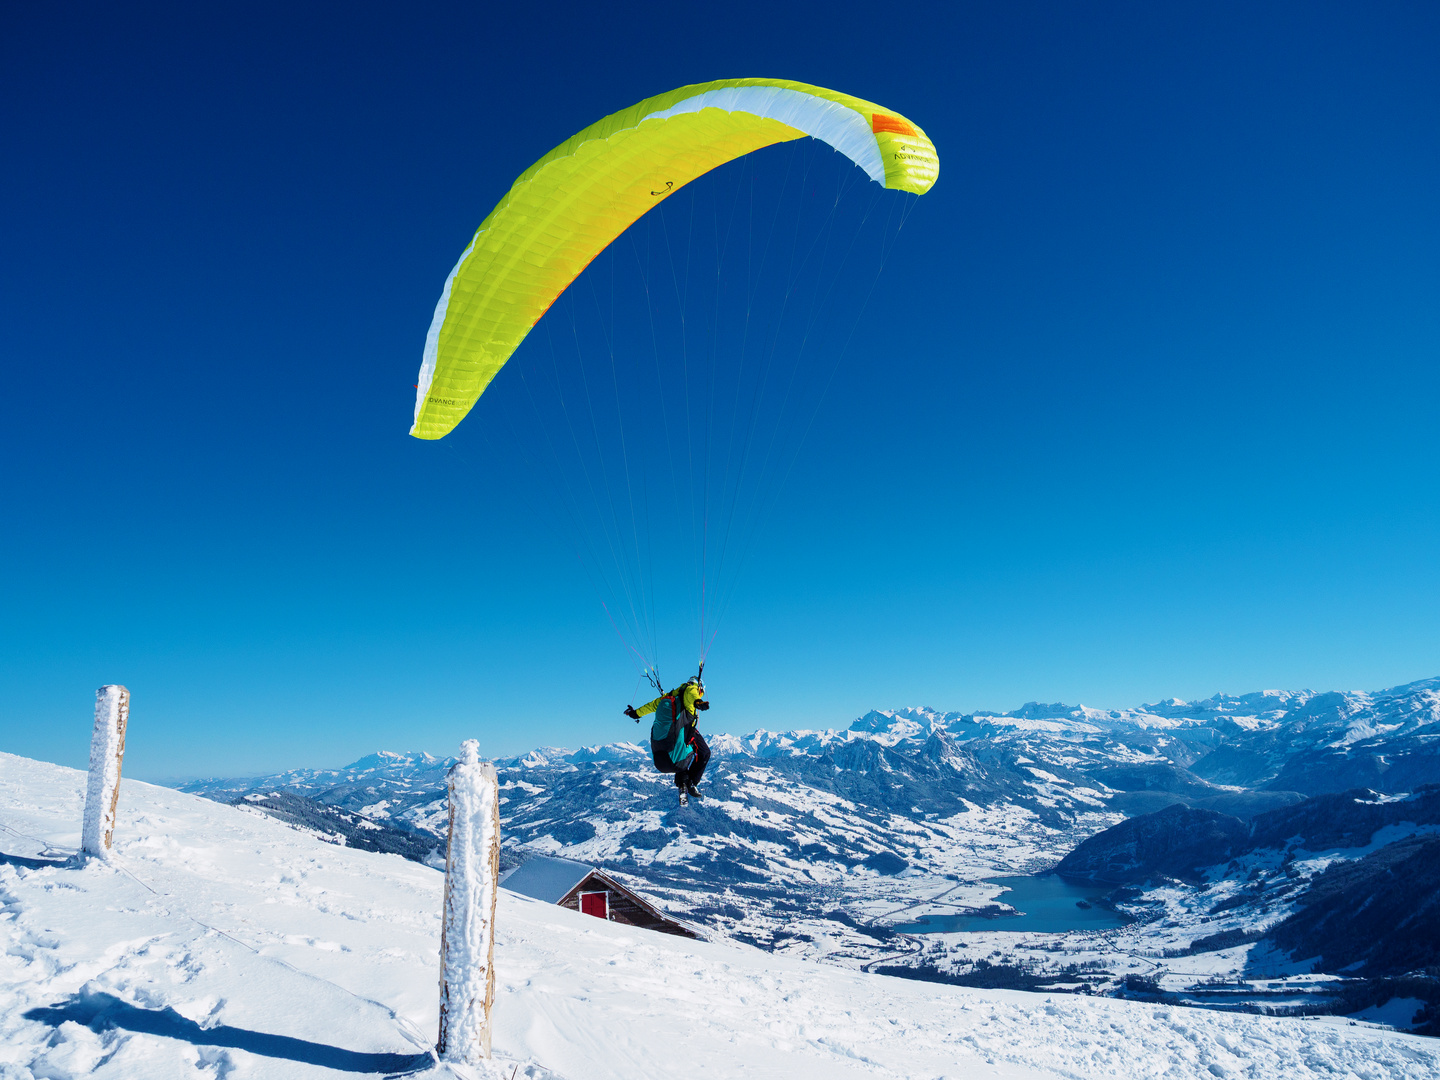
(467, 934)
(107, 752)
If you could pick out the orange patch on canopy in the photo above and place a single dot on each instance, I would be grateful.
(881, 122)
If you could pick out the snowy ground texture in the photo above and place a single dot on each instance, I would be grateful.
(220, 942)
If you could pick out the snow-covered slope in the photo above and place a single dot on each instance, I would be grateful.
(221, 942)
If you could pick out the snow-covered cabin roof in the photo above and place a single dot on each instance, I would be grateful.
(561, 881)
(545, 878)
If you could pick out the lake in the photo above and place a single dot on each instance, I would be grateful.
(1049, 905)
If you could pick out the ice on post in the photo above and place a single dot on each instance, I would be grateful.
(107, 752)
(467, 942)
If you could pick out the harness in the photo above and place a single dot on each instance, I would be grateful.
(667, 731)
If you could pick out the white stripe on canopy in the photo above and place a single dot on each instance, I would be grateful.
(839, 125)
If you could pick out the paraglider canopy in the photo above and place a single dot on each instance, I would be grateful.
(568, 207)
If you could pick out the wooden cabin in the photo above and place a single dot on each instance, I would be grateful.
(585, 889)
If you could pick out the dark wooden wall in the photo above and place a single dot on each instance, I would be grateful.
(625, 907)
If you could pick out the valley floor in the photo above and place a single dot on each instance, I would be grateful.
(223, 943)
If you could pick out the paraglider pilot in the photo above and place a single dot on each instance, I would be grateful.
(675, 741)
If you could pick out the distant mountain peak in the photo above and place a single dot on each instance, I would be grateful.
(391, 759)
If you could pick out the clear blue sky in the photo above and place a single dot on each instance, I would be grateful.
(1168, 423)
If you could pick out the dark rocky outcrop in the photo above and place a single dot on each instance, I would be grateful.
(1175, 842)
(1346, 819)
(885, 862)
(1376, 916)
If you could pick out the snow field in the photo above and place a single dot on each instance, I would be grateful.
(222, 943)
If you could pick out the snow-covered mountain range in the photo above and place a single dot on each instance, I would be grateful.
(818, 842)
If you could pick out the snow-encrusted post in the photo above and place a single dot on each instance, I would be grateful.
(107, 751)
(467, 935)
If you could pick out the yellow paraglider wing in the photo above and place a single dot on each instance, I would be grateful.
(567, 208)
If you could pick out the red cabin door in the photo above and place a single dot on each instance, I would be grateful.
(595, 903)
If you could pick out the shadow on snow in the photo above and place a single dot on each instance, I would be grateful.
(100, 1011)
(33, 864)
